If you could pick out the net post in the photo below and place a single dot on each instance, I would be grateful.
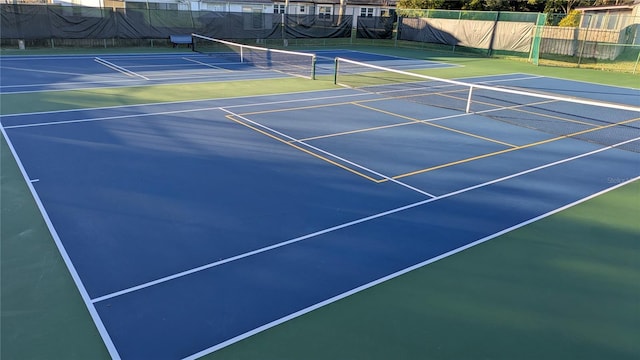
(313, 67)
(534, 53)
(396, 30)
(335, 71)
(241, 54)
(585, 38)
(468, 109)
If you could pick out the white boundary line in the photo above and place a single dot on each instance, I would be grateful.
(97, 81)
(361, 94)
(355, 94)
(213, 78)
(196, 101)
(358, 94)
(41, 71)
(91, 56)
(169, 102)
(109, 343)
(102, 330)
(119, 68)
(526, 77)
(297, 141)
(391, 57)
(65, 256)
(205, 64)
(115, 117)
(350, 223)
(470, 86)
(592, 83)
(108, 83)
(572, 81)
(181, 111)
(392, 276)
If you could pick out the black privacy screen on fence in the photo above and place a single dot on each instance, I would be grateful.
(486, 30)
(30, 22)
(375, 27)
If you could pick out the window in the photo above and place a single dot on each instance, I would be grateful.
(79, 10)
(612, 23)
(213, 7)
(324, 12)
(253, 18)
(388, 12)
(136, 5)
(278, 8)
(302, 8)
(366, 12)
(153, 6)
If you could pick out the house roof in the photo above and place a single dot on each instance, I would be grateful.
(627, 7)
(349, 2)
(606, 8)
(261, 2)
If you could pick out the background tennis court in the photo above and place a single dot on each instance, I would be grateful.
(411, 316)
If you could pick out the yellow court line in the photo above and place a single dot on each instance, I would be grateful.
(423, 95)
(497, 107)
(297, 108)
(428, 122)
(518, 108)
(508, 150)
(359, 103)
(443, 94)
(353, 131)
(330, 104)
(411, 121)
(232, 118)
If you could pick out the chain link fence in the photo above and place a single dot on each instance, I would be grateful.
(599, 41)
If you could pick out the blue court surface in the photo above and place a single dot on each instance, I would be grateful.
(73, 72)
(189, 226)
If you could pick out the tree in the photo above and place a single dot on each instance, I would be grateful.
(503, 5)
(496, 5)
(571, 20)
(472, 5)
(612, 2)
(564, 6)
(420, 4)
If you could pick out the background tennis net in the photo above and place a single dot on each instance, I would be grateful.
(594, 121)
(289, 62)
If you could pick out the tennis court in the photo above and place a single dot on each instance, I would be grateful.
(191, 225)
(73, 72)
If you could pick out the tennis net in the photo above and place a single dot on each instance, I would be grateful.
(289, 62)
(594, 121)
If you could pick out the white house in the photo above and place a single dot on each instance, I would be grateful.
(365, 8)
(322, 8)
(615, 17)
